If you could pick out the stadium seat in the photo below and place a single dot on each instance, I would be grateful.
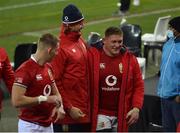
(95, 40)
(156, 40)
(23, 52)
(132, 38)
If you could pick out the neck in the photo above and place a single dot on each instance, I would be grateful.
(38, 56)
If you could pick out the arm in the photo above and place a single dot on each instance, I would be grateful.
(138, 93)
(58, 111)
(138, 86)
(74, 112)
(7, 73)
(20, 100)
(58, 65)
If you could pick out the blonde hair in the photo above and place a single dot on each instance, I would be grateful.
(47, 40)
(113, 31)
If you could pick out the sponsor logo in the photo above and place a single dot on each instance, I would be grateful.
(74, 50)
(111, 80)
(110, 89)
(66, 18)
(102, 65)
(47, 90)
(39, 77)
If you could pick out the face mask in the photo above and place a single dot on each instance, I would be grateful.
(170, 34)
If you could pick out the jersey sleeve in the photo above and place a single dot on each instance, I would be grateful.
(22, 77)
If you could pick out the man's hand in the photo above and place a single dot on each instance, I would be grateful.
(132, 116)
(76, 113)
(55, 100)
(58, 112)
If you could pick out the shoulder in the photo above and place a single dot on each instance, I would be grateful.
(83, 41)
(65, 47)
(131, 56)
(93, 53)
(3, 54)
(2, 50)
(94, 50)
(27, 66)
(170, 41)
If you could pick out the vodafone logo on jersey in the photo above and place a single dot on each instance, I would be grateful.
(102, 65)
(111, 80)
(47, 90)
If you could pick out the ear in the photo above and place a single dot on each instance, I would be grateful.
(103, 39)
(49, 50)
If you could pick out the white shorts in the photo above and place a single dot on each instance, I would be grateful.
(106, 122)
(25, 126)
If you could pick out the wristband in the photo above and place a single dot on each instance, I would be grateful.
(42, 99)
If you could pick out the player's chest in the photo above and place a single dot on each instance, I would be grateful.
(42, 77)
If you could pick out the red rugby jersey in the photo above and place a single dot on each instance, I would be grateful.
(110, 82)
(36, 80)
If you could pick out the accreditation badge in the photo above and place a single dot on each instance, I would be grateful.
(50, 74)
(120, 68)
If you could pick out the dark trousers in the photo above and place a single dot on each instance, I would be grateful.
(125, 4)
(83, 127)
(170, 114)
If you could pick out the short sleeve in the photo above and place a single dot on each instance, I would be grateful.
(22, 77)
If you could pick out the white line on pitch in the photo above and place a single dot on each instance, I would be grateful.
(29, 4)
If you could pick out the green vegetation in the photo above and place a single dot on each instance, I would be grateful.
(15, 22)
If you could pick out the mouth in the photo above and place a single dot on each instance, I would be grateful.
(115, 49)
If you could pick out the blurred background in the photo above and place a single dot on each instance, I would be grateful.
(23, 21)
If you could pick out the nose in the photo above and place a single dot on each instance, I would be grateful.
(81, 25)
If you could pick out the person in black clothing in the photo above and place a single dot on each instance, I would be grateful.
(125, 4)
